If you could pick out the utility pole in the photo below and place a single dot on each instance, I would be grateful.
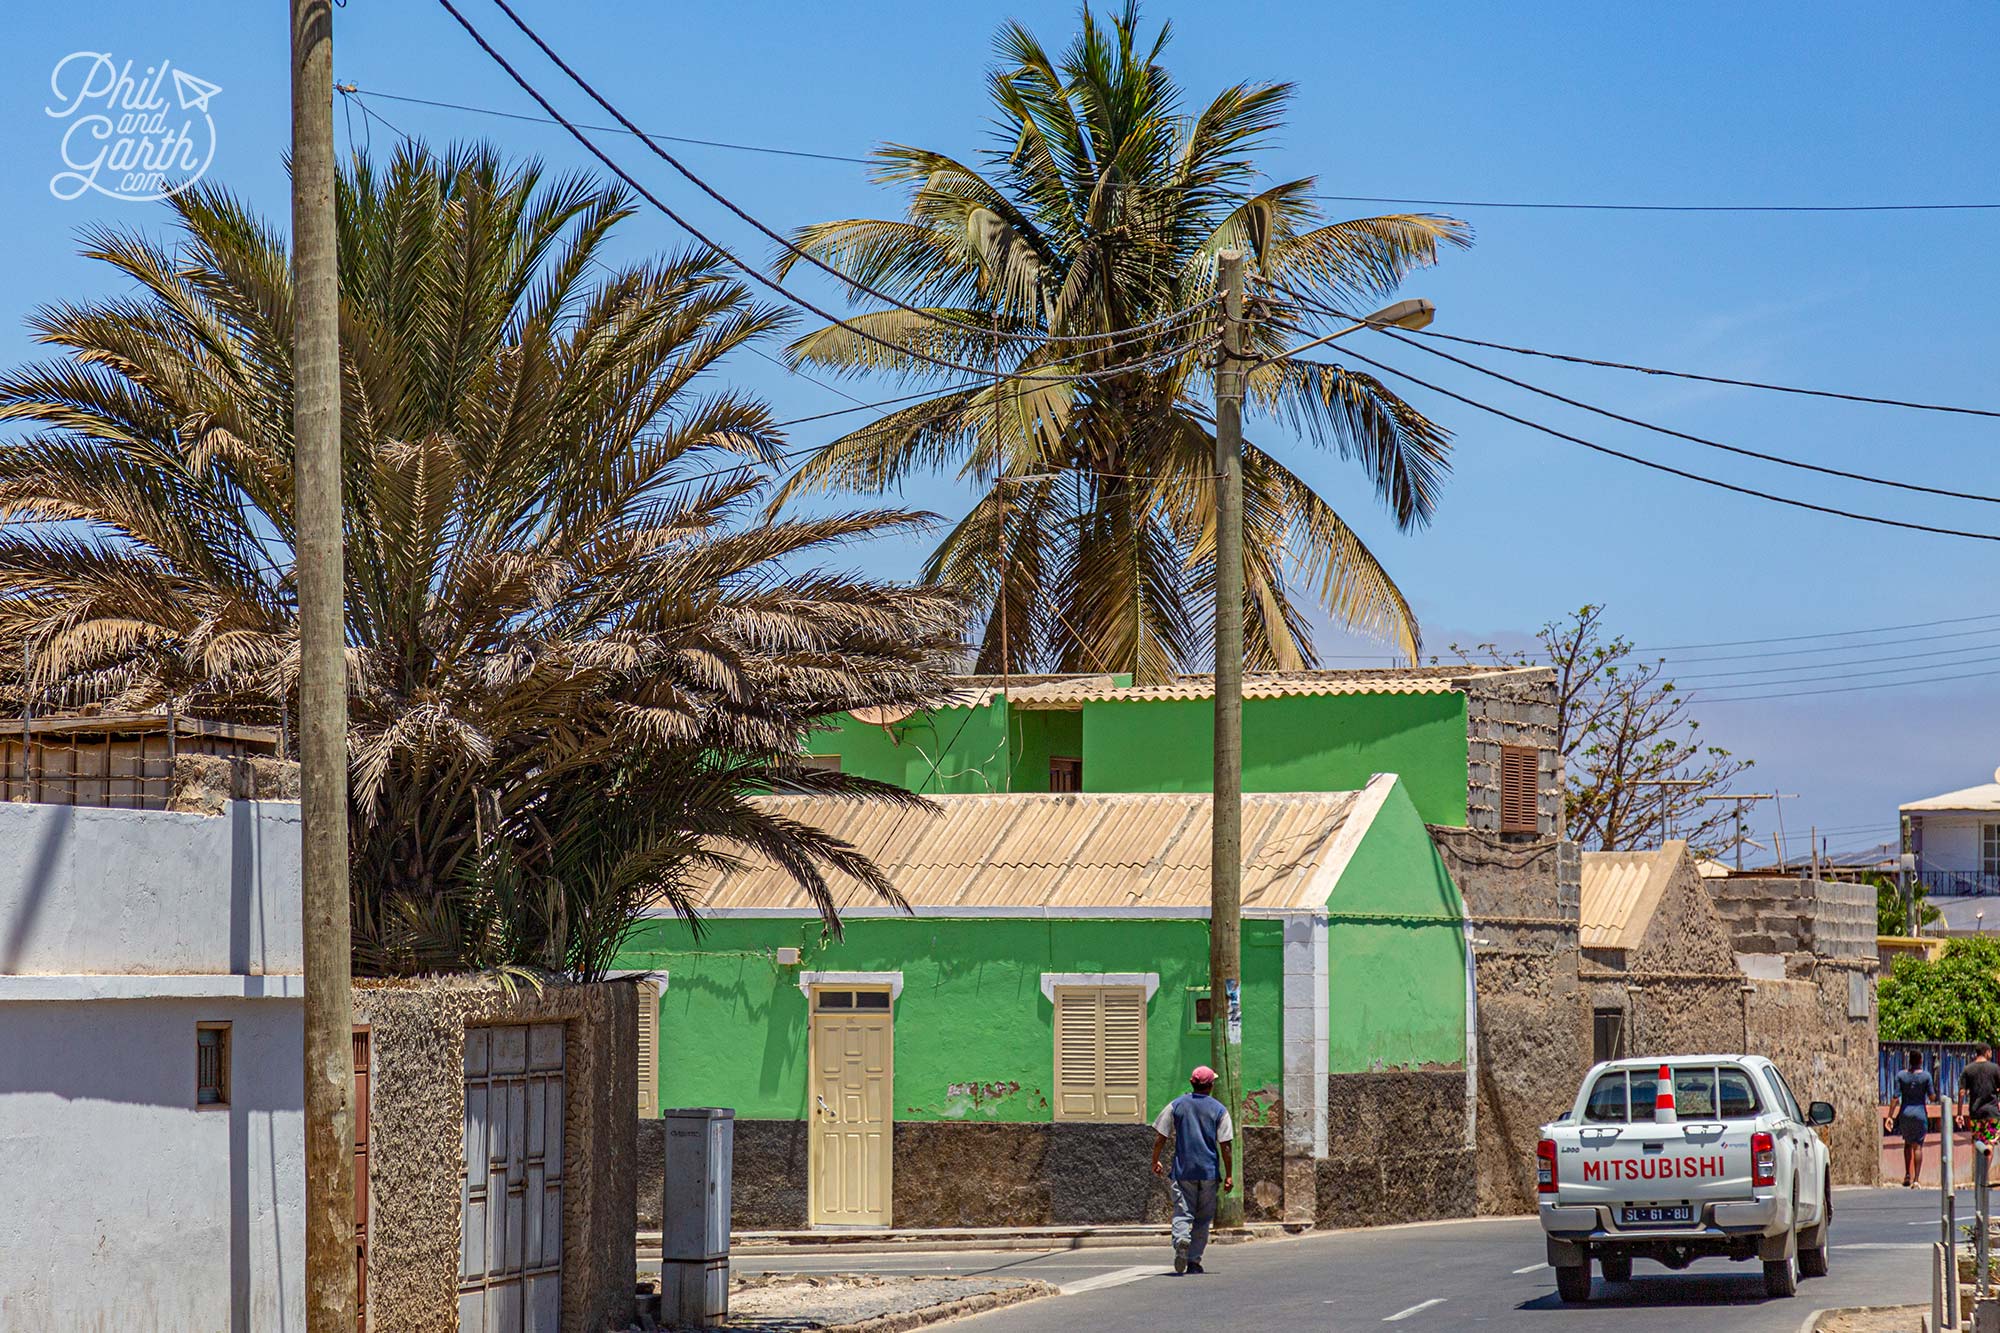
(1741, 800)
(1225, 903)
(329, 1017)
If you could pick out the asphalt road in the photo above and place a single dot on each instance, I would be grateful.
(1487, 1273)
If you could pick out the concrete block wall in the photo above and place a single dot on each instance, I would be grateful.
(1771, 914)
(1521, 710)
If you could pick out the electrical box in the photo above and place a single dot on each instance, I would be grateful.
(694, 1215)
(788, 958)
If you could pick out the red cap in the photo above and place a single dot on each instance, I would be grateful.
(1202, 1074)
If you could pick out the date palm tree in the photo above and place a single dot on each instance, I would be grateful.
(1090, 542)
(576, 649)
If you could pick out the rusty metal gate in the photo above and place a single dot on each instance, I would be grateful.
(510, 1199)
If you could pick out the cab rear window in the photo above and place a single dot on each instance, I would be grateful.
(1701, 1092)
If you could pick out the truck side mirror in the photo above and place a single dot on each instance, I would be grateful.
(1819, 1113)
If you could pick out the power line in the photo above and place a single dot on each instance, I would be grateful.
(1846, 689)
(1825, 634)
(750, 270)
(887, 298)
(1709, 379)
(1818, 679)
(1833, 647)
(1828, 666)
(1675, 471)
(1779, 459)
(1325, 197)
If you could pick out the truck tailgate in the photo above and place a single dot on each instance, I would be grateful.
(1695, 1161)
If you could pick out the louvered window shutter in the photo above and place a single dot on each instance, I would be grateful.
(1100, 1053)
(1520, 789)
(649, 1049)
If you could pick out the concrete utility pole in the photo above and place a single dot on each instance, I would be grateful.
(329, 1017)
(1225, 903)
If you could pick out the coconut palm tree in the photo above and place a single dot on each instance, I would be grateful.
(1090, 544)
(576, 648)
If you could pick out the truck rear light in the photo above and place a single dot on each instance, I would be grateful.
(1545, 1167)
(1763, 1159)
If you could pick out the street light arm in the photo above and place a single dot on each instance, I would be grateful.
(1416, 313)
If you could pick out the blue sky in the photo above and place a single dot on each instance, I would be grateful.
(1696, 103)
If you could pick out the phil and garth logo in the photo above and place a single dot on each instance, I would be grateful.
(126, 137)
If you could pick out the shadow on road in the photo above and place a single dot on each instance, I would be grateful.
(1667, 1289)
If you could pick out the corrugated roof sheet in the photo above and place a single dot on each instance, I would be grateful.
(1985, 797)
(1261, 685)
(1140, 850)
(1620, 892)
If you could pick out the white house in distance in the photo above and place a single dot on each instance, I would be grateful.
(1956, 839)
(151, 1075)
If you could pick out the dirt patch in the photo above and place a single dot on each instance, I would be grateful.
(1886, 1319)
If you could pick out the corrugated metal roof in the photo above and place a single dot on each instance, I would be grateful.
(1620, 892)
(1261, 685)
(1985, 797)
(1033, 850)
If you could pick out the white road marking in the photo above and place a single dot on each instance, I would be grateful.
(1117, 1277)
(1401, 1315)
(1531, 1268)
(1886, 1244)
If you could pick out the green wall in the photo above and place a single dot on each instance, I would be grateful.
(974, 1037)
(1332, 742)
(969, 745)
(1395, 950)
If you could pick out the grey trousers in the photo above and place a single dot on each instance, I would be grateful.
(1194, 1209)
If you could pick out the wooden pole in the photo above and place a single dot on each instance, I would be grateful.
(1225, 912)
(329, 1006)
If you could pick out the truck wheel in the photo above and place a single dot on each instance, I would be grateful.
(1812, 1245)
(1573, 1283)
(1616, 1267)
(1781, 1277)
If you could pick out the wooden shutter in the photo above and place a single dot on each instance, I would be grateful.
(649, 1049)
(1520, 789)
(1101, 1053)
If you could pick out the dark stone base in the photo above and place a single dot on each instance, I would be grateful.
(1398, 1150)
(967, 1174)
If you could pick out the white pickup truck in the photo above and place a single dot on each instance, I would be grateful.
(1681, 1158)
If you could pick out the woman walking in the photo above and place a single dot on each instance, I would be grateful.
(1914, 1090)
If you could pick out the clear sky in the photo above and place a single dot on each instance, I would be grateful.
(1787, 103)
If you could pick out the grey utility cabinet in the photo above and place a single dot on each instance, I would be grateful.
(694, 1215)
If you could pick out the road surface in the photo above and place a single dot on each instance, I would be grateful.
(1485, 1273)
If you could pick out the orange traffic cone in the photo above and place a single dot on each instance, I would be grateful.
(1663, 1097)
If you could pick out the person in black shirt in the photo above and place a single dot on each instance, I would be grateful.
(1914, 1091)
(1979, 1096)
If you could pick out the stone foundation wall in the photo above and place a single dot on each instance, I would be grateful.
(1803, 1023)
(417, 1137)
(1397, 1150)
(1534, 1019)
(964, 1174)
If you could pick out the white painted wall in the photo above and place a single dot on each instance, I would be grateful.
(95, 891)
(1951, 842)
(124, 1206)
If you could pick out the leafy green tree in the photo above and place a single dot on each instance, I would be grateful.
(1955, 998)
(576, 649)
(1101, 209)
(1889, 905)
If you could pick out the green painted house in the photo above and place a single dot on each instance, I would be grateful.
(994, 1052)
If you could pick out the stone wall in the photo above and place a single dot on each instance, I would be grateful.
(1772, 914)
(1534, 1021)
(416, 1148)
(1516, 709)
(1397, 1149)
(1804, 1023)
(964, 1174)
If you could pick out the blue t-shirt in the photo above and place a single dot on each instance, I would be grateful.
(1199, 1125)
(1914, 1090)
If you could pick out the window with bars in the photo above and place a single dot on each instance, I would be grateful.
(211, 1064)
(1065, 774)
(1607, 1035)
(1101, 1053)
(1520, 789)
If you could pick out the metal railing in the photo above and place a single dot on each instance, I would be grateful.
(1944, 1059)
(1943, 883)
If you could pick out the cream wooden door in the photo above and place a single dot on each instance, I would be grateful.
(851, 1093)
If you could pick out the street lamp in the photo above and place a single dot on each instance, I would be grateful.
(1415, 313)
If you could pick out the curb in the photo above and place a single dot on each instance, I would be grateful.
(945, 1240)
(937, 1314)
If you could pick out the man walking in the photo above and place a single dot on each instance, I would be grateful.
(1203, 1167)
(1979, 1095)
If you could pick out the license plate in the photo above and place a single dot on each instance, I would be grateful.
(1656, 1215)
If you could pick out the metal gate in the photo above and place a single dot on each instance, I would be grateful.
(362, 1044)
(510, 1200)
